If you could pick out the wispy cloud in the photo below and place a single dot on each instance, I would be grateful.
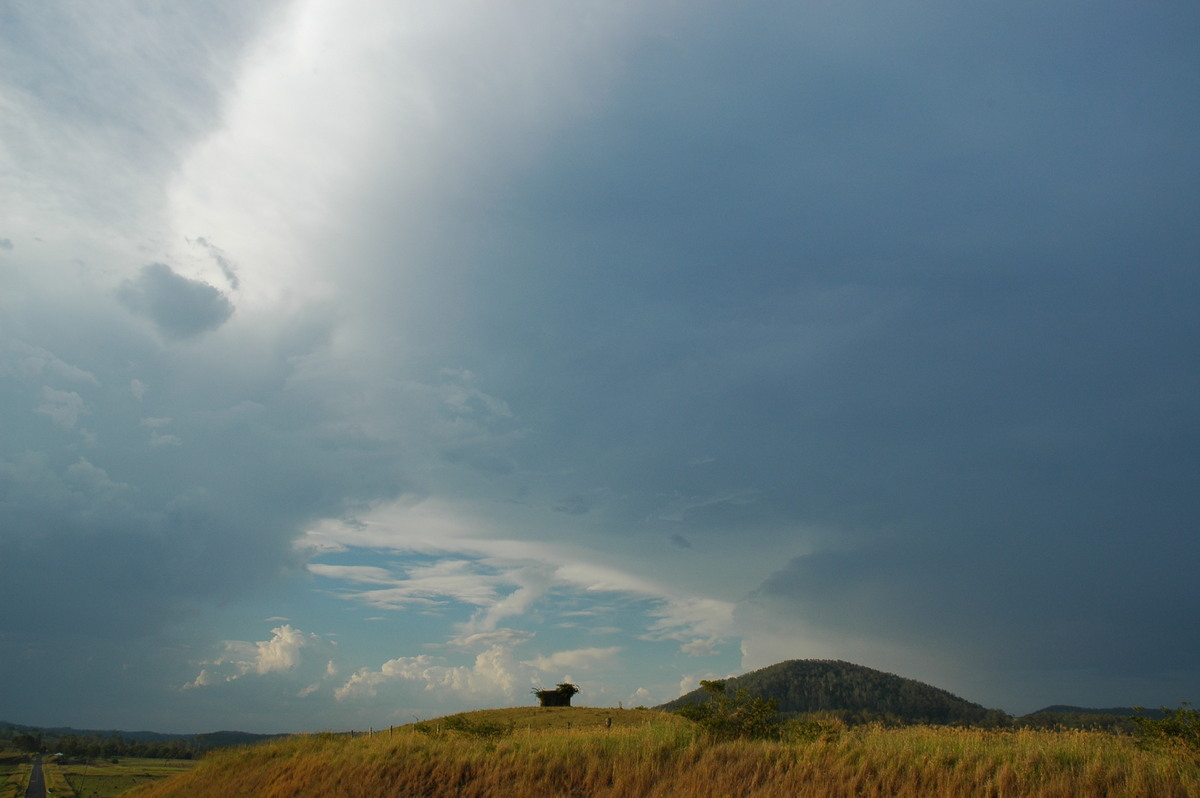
(506, 579)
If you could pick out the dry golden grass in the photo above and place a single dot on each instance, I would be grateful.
(655, 756)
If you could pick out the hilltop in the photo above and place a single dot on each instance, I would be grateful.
(856, 692)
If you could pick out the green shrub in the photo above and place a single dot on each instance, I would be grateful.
(813, 728)
(1175, 726)
(725, 715)
(465, 726)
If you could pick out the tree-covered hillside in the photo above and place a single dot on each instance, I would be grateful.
(854, 692)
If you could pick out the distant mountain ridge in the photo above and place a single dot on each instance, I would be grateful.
(1063, 709)
(856, 692)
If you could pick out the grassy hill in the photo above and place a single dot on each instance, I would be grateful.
(648, 754)
(855, 692)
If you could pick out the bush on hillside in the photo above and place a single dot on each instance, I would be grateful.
(1175, 726)
(823, 727)
(727, 715)
(465, 726)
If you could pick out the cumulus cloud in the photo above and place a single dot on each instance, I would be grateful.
(158, 438)
(203, 679)
(92, 480)
(178, 306)
(18, 357)
(701, 647)
(496, 675)
(639, 697)
(582, 659)
(281, 654)
(492, 678)
(62, 407)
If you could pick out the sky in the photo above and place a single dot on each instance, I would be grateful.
(365, 361)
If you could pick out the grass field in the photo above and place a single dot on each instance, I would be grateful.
(652, 755)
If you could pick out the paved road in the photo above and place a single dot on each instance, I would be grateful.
(37, 781)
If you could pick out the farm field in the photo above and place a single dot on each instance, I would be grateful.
(531, 753)
(106, 779)
(14, 774)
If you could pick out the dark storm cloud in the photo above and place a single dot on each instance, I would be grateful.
(885, 319)
(926, 286)
(179, 307)
(1086, 602)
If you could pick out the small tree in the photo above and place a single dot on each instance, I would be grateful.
(725, 715)
(29, 743)
(558, 697)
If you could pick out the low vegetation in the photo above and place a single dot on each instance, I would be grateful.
(537, 753)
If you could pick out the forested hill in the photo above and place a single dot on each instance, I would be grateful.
(856, 692)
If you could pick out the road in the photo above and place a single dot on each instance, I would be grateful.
(37, 781)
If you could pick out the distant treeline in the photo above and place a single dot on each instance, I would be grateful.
(1122, 720)
(111, 745)
(75, 746)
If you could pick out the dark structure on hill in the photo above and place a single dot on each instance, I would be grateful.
(558, 697)
(855, 693)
